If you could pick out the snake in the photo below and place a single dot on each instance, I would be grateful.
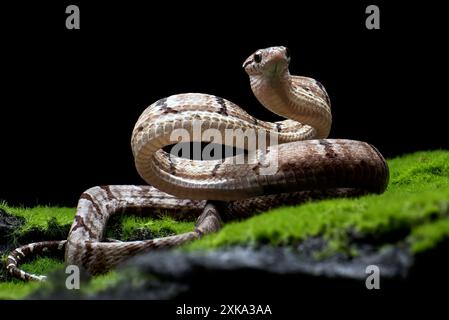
(309, 165)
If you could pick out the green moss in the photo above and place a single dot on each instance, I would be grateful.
(39, 217)
(428, 235)
(101, 283)
(137, 227)
(160, 227)
(18, 289)
(40, 223)
(43, 265)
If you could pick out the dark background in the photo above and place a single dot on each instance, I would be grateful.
(70, 98)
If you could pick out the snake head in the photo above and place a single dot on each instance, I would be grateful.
(269, 61)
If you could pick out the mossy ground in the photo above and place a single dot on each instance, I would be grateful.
(49, 223)
(413, 212)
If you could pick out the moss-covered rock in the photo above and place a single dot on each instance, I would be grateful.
(412, 216)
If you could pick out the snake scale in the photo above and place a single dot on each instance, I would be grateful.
(308, 166)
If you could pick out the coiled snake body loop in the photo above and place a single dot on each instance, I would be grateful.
(307, 165)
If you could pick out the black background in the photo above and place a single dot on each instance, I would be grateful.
(70, 98)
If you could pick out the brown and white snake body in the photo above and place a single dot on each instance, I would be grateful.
(308, 165)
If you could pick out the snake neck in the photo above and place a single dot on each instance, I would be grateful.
(284, 95)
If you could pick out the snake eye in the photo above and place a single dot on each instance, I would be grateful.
(287, 52)
(257, 57)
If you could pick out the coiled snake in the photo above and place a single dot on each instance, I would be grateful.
(307, 165)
